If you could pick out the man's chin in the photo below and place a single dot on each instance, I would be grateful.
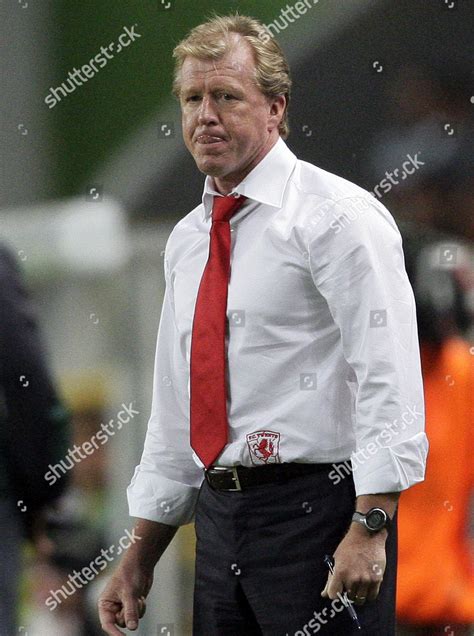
(211, 167)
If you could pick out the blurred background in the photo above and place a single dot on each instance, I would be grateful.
(94, 177)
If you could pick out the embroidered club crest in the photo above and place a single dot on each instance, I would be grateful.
(264, 447)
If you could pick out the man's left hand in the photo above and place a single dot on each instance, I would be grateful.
(359, 565)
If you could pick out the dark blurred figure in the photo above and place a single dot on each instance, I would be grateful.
(435, 594)
(431, 119)
(76, 528)
(34, 432)
(77, 542)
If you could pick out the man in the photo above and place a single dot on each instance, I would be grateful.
(253, 425)
(34, 431)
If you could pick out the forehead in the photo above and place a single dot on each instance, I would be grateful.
(238, 64)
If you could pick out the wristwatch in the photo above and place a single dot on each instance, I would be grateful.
(374, 520)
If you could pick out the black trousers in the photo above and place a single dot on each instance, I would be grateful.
(259, 561)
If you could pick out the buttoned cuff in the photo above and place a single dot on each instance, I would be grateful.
(391, 468)
(156, 498)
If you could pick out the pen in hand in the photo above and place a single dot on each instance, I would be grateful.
(343, 597)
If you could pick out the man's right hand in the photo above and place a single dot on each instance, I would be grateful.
(122, 602)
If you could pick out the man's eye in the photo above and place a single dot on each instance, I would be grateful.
(193, 98)
(227, 97)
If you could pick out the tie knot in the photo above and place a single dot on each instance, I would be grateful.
(224, 207)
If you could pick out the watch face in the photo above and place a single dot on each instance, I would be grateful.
(376, 519)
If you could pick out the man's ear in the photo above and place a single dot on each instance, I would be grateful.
(277, 110)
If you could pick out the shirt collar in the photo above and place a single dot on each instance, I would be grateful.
(266, 183)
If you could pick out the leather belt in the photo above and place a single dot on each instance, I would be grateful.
(237, 478)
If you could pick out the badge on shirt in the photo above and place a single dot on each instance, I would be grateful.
(264, 447)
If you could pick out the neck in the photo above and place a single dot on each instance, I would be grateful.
(226, 184)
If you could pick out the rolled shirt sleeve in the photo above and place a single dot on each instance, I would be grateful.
(357, 264)
(166, 483)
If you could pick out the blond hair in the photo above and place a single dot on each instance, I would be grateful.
(211, 41)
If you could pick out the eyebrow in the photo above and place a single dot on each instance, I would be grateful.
(226, 88)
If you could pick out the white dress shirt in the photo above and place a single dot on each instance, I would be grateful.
(322, 345)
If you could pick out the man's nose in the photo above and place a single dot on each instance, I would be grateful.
(207, 112)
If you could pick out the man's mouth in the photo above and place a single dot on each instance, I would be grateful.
(208, 140)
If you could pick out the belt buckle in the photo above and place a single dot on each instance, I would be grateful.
(235, 477)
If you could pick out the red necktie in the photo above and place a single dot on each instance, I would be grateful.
(208, 393)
